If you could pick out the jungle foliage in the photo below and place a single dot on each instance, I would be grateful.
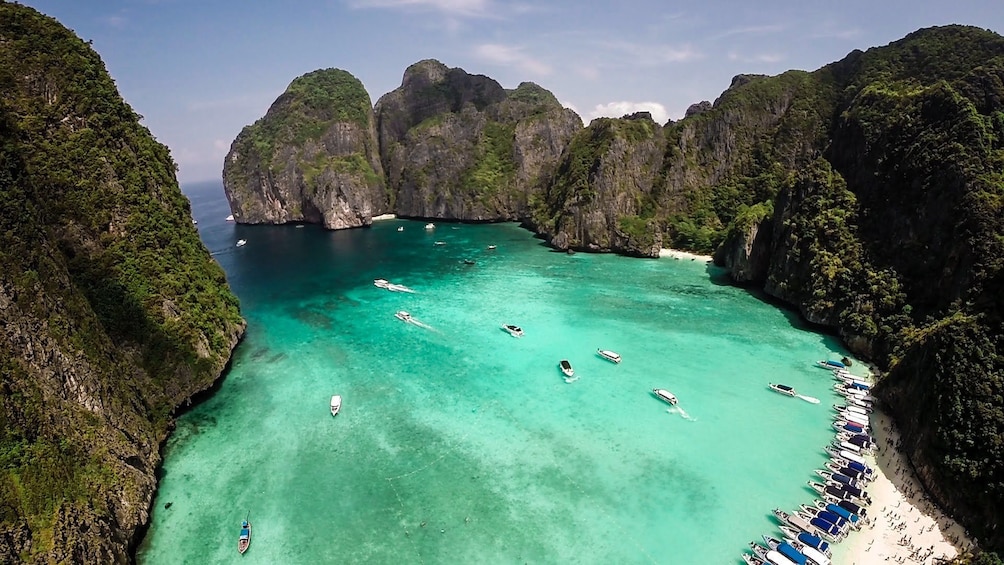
(106, 278)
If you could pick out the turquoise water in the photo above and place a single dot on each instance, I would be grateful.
(458, 443)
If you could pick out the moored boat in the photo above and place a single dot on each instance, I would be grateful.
(783, 389)
(513, 330)
(831, 364)
(244, 541)
(566, 368)
(807, 539)
(786, 549)
(665, 395)
(230, 218)
(854, 520)
(336, 404)
(430, 226)
(815, 556)
(609, 355)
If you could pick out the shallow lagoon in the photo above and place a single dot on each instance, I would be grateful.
(458, 443)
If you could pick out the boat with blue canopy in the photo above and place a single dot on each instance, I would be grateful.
(785, 549)
(804, 537)
(831, 364)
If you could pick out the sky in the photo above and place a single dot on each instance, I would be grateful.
(198, 71)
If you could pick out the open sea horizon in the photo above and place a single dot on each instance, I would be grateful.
(458, 443)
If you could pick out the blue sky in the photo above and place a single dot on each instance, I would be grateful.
(200, 70)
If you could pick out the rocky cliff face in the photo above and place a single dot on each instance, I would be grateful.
(601, 197)
(100, 336)
(893, 237)
(313, 157)
(459, 146)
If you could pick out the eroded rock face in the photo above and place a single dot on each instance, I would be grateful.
(598, 197)
(312, 158)
(459, 146)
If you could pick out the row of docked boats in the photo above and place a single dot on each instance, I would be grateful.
(808, 532)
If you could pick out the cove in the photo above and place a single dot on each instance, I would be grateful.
(458, 443)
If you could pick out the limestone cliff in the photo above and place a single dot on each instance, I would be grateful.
(459, 146)
(891, 232)
(112, 313)
(601, 198)
(312, 158)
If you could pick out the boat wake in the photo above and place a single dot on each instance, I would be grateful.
(683, 413)
(810, 399)
(421, 324)
(571, 380)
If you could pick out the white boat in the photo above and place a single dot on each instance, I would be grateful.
(400, 228)
(490, 247)
(195, 222)
(430, 226)
(609, 355)
(381, 283)
(513, 330)
(665, 395)
(783, 389)
(440, 243)
(566, 368)
(241, 242)
(831, 364)
(403, 316)
(336, 404)
(230, 218)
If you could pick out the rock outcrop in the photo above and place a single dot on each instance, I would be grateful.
(601, 197)
(459, 146)
(112, 313)
(313, 157)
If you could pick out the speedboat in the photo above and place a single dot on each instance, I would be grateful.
(802, 523)
(430, 226)
(815, 556)
(665, 395)
(805, 538)
(837, 477)
(848, 505)
(336, 404)
(785, 549)
(855, 474)
(491, 247)
(244, 541)
(380, 283)
(753, 560)
(783, 389)
(609, 355)
(440, 243)
(851, 408)
(846, 514)
(831, 364)
(566, 368)
(242, 242)
(403, 316)
(513, 330)
(401, 228)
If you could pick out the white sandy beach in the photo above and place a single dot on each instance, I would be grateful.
(683, 255)
(906, 527)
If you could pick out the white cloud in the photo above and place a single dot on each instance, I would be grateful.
(618, 109)
(652, 55)
(511, 56)
(751, 30)
(759, 58)
(456, 8)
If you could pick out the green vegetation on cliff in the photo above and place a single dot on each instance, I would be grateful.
(112, 312)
